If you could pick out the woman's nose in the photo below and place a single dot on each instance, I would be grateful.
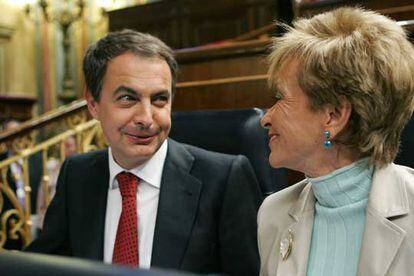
(265, 120)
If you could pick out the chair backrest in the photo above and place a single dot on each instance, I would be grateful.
(232, 131)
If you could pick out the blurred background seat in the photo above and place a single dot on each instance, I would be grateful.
(231, 131)
(406, 154)
(23, 264)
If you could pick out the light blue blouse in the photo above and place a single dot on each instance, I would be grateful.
(341, 201)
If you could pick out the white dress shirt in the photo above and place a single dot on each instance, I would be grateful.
(150, 174)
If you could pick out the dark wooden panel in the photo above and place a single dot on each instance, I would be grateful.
(223, 76)
(237, 59)
(243, 94)
(397, 9)
(188, 23)
(160, 19)
(223, 68)
(16, 107)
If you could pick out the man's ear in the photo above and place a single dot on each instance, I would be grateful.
(93, 106)
(337, 117)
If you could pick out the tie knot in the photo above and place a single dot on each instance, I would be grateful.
(128, 184)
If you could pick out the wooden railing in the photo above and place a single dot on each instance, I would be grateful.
(16, 216)
(27, 135)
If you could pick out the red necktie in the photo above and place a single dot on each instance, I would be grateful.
(126, 243)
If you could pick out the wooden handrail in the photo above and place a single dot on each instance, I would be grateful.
(49, 142)
(192, 84)
(222, 50)
(396, 9)
(44, 119)
(265, 30)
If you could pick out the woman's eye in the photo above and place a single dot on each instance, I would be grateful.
(277, 96)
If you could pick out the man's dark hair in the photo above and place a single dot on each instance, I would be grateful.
(116, 43)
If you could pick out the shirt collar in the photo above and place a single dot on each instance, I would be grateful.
(150, 171)
(344, 186)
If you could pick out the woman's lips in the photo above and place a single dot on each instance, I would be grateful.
(272, 137)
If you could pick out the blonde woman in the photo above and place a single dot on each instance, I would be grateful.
(344, 86)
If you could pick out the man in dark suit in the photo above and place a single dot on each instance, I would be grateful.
(194, 210)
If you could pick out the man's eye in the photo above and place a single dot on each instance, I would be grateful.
(126, 98)
(161, 100)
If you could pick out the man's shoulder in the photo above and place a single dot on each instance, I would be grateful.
(200, 153)
(197, 151)
(88, 156)
(212, 160)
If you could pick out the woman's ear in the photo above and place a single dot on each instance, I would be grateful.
(337, 117)
(93, 106)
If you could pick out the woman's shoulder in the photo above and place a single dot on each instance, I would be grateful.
(281, 202)
(392, 187)
(405, 175)
(395, 173)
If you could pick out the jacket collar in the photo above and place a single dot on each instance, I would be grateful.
(305, 202)
(95, 183)
(388, 195)
(177, 208)
(382, 238)
(300, 228)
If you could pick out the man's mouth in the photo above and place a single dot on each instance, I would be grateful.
(141, 139)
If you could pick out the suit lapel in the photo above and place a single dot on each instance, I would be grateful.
(95, 188)
(177, 208)
(381, 242)
(382, 238)
(302, 214)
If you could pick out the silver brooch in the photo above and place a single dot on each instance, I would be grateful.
(286, 246)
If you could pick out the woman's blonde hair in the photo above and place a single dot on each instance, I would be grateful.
(364, 57)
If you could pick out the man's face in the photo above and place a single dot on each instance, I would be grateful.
(135, 107)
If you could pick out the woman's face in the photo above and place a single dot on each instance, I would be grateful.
(295, 131)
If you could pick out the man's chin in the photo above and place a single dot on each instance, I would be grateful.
(144, 152)
(133, 160)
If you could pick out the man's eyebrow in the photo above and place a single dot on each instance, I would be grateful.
(161, 93)
(123, 89)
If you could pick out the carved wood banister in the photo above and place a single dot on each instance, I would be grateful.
(44, 119)
(24, 136)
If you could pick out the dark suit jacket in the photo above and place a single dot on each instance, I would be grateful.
(206, 220)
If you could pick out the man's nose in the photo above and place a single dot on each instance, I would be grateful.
(143, 114)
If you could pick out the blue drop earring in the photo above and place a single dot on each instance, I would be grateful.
(327, 144)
